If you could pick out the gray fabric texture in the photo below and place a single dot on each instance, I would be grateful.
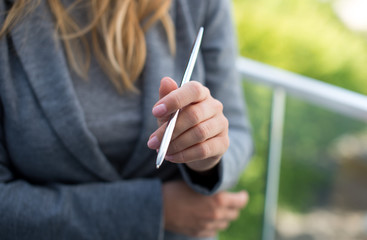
(114, 119)
(55, 181)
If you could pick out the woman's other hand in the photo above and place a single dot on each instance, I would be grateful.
(190, 213)
(200, 137)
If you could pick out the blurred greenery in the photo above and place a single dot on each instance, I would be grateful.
(305, 37)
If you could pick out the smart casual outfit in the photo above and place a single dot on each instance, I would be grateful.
(74, 161)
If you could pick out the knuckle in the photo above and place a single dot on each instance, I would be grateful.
(218, 105)
(225, 122)
(201, 132)
(206, 91)
(199, 90)
(193, 116)
(179, 158)
(176, 101)
(204, 150)
(216, 215)
(196, 86)
(220, 200)
(173, 147)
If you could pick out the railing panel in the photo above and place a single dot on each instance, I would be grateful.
(323, 175)
(323, 168)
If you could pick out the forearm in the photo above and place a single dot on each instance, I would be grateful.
(117, 210)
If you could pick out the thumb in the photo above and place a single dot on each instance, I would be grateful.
(167, 86)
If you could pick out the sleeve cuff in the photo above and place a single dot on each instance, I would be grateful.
(205, 183)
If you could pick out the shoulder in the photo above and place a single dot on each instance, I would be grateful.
(207, 4)
(205, 12)
(208, 7)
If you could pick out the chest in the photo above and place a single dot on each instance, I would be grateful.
(48, 136)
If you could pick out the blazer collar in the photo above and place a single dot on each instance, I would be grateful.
(159, 64)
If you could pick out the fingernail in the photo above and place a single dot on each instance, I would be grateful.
(153, 143)
(159, 110)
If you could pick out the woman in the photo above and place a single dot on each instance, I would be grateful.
(82, 84)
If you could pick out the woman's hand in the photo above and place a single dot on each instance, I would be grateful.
(196, 215)
(200, 137)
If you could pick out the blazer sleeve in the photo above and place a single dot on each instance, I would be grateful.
(103, 210)
(219, 49)
(110, 210)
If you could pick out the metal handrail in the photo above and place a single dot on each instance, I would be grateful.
(334, 98)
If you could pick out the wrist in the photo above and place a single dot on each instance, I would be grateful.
(207, 179)
(203, 166)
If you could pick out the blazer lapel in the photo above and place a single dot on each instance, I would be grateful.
(43, 60)
(160, 65)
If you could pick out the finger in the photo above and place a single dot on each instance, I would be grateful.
(222, 215)
(230, 214)
(155, 138)
(221, 225)
(209, 226)
(198, 134)
(167, 85)
(226, 205)
(202, 233)
(187, 94)
(215, 226)
(211, 148)
(188, 117)
(209, 230)
(195, 114)
(234, 200)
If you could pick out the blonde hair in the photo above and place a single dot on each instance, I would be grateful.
(117, 29)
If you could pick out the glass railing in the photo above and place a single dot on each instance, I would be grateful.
(315, 169)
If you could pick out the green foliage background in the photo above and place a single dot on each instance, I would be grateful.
(306, 37)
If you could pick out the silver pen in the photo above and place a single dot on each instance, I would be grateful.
(172, 121)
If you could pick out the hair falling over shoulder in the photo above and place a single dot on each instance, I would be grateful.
(116, 29)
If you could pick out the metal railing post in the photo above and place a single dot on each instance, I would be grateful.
(274, 161)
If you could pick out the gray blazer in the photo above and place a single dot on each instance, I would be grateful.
(55, 183)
